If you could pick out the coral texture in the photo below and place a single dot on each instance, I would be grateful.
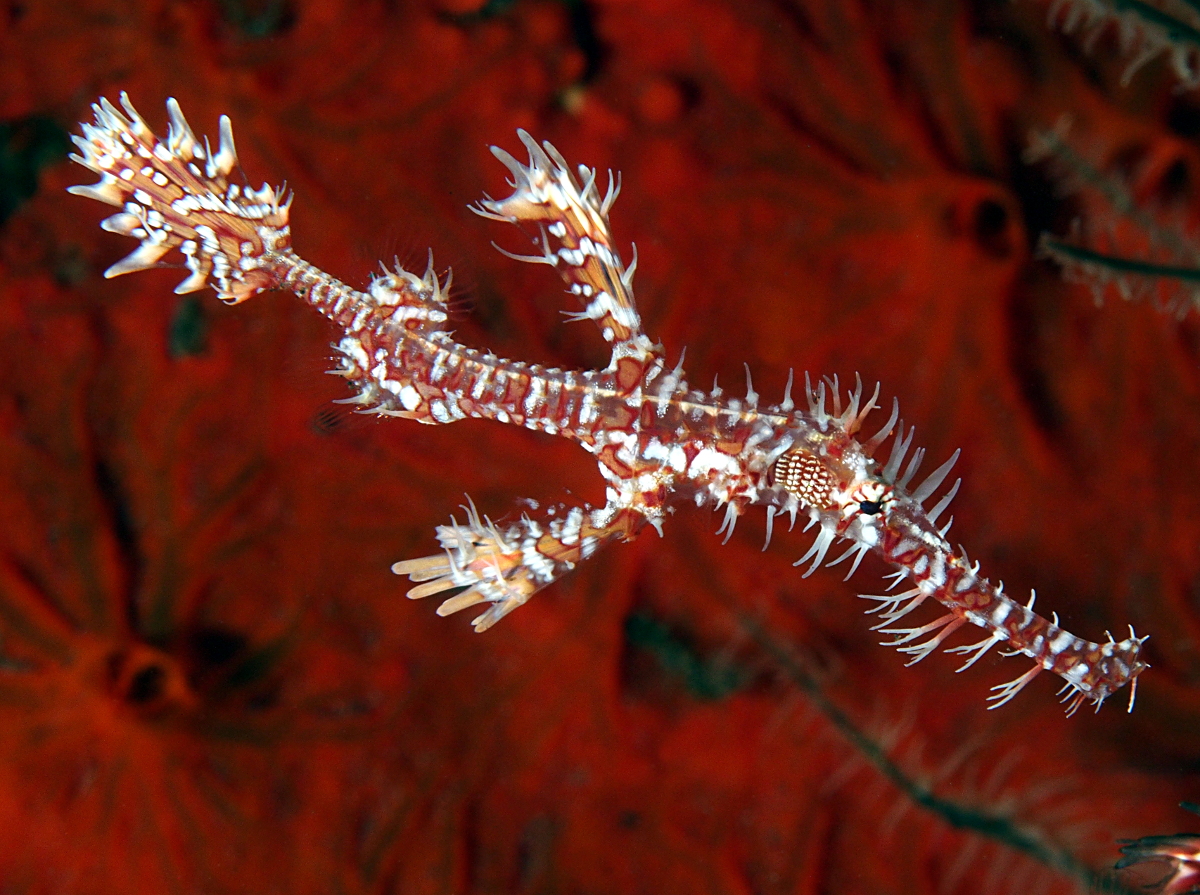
(211, 680)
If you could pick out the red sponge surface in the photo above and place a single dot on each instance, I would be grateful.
(211, 683)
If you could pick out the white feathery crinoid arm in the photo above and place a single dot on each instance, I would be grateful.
(175, 194)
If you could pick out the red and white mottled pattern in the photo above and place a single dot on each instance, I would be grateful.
(656, 440)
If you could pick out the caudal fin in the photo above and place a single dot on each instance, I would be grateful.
(175, 194)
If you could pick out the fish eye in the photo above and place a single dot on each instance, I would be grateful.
(871, 507)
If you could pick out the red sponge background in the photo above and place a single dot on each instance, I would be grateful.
(211, 683)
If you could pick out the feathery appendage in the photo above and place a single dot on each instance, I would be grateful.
(1140, 254)
(656, 440)
(175, 194)
(1145, 29)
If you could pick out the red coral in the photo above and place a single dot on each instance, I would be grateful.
(210, 679)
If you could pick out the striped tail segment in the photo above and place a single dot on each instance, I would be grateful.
(175, 194)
